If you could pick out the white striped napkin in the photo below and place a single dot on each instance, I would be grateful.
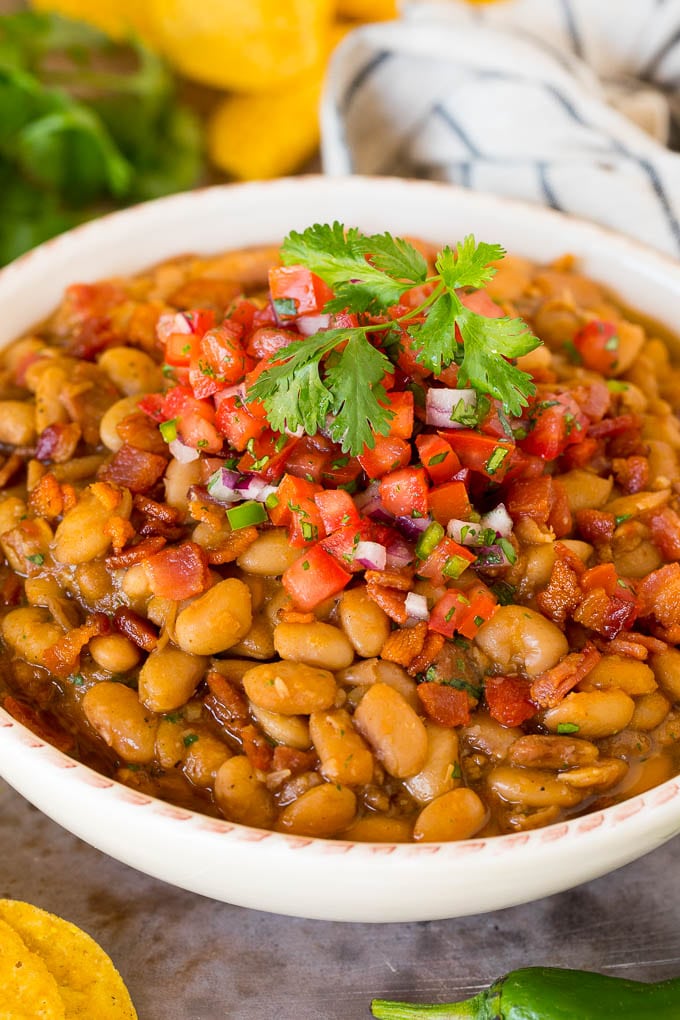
(572, 103)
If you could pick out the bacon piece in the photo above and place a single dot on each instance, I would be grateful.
(10, 593)
(606, 614)
(403, 645)
(140, 631)
(136, 469)
(560, 518)
(617, 426)
(445, 705)
(139, 430)
(292, 760)
(47, 498)
(179, 571)
(58, 442)
(212, 516)
(226, 702)
(531, 498)
(63, 656)
(42, 723)
(9, 468)
(562, 594)
(551, 686)
(596, 526)
(92, 337)
(162, 512)
(232, 545)
(119, 530)
(108, 495)
(632, 473)
(430, 650)
(135, 553)
(664, 525)
(390, 601)
(258, 752)
(508, 699)
(390, 578)
(659, 595)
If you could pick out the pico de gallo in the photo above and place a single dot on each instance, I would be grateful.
(334, 529)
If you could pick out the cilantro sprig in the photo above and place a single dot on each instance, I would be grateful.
(333, 379)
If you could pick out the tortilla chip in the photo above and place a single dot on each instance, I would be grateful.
(29, 991)
(87, 981)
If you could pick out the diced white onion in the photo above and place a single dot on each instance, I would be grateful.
(499, 520)
(416, 606)
(222, 486)
(173, 322)
(264, 494)
(239, 390)
(457, 531)
(371, 555)
(310, 324)
(183, 453)
(440, 404)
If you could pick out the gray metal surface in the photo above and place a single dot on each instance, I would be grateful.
(188, 958)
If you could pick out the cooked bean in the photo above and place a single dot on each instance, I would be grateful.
(258, 590)
(618, 671)
(12, 510)
(17, 422)
(93, 582)
(132, 371)
(629, 744)
(270, 554)
(324, 811)
(378, 671)
(30, 632)
(547, 752)
(638, 560)
(366, 625)
(258, 643)
(344, 756)
(394, 731)
(291, 730)
(290, 688)
(203, 757)
(650, 711)
(232, 669)
(585, 490)
(178, 479)
(455, 815)
(519, 639)
(216, 620)
(169, 677)
(531, 787)
(47, 379)
(135, 585)
(540, 560)
(441, 771)
(666, 667)
(637, 503)
(170, 747)
(379, 829)
(113, 417)
(316, 644)
(82, 536)
(596, 713)
(488, 736)
(631, 340)
(118, 716)
(114, 652)
(644, 775)
(603, 773)
(241, 796)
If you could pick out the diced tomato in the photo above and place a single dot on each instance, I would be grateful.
(288, 495)
(448, 612)
(525, 466)
(243, 312)
(343, 470)
(388, 454)
(449, 501)
(343, 542)
(487, 455)
(268, 340)
(178, 572)
(181, 348)
(221, 350)
(314, 577)
(337, 509)
(531, 498)
(508, 699)
(483, 605)
(153, 404)
(447, 560)
(618, 426)
(479, 301)
(401, 405)
(235, 422)
(445, 705)
(310, 458)
(264, 316)
(554, 423)
(404, 492)
(560, 519)
(196, 431)
(299, 285)
(437, 457)
(306, 525)
(496, 422)
(415, 296)
(180, 400)
(268, 455)
(344, 320)
(581, 455)
(598, 345)
(180, 332)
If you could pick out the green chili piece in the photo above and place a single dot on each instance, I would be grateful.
(245, 514)
(429, 540)
(550, 993)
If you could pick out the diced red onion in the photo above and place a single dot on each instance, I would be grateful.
(413, 527)
(499, 520)
(183, 453)
(440, 404)
(310, 324)
(250, 485)
(370, 493)
(371, 555)
(416, 606)
(174, 322)
(399, 553)
(239, 390)
(492, 556)
(456, 530)
(222, 486)
(370, 504)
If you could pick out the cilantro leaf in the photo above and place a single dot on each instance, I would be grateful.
(486, 345)
(354, 378)
(396, 257)
(437, 335)
(468, 265)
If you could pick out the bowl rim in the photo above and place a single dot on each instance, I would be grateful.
(656, 799)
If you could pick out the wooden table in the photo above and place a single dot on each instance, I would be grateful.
(188, 958)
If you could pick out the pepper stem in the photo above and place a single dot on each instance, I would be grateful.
(469, 1009)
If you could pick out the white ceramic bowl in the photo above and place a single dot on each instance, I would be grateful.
(332, 880)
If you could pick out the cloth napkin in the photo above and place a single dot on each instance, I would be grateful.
(571, 103)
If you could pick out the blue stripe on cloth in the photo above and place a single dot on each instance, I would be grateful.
(652, 64)
(660, 192)
(572, 27)
(448, 118)
(546, 187)
(361, 77)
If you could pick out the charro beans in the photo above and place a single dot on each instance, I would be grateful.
(627, 675)
(270, 554)
(132, 371)
(290, 688)
(216, 620)
(290, 730)
(82, 534)
(30, 632)
(394, 731)
(17, 422)
(535, 788)
(441, 771)
(316, 644)
(114, 653)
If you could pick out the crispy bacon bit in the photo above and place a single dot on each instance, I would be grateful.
(91, 337)
(211, 516)
(226, 702)
(593, 399)
(10, 593)
(508, 699)
(120, 531)
(233, 544)
(664, 525)
(531, 498)
(42, 723)
(47, 498)
(609, 427)
(63, 656)
(659, 595)
(140, 431)
(58, 442)
(107, 495)
(390, 601)
(562, 595)
(551, 686)
(403, 645)
(159, 511)
(179, 571)
(69, 495)
(445, 705)
(568, 556)
(560, 518)
(258, 752)
(293, 616)
(596, 526)
(543, 751)
(430, 650)
(606, 614)
(290, 759)
(135, 553)
(136, 469)
(390, 578)
(140, 631)
(9, 468)
(632, 473)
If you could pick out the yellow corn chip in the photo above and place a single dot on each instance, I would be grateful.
(84, 976)
(27, 989)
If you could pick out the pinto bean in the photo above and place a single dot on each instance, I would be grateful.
(122, 722)
(316, 644)
(241, 796)
(290, 688)
(366, 625)
(169, 677)
(518, 639)
(216, 620)
(441, 771)
(344, 756)
(455, 815)
(324, 811)
(394, 731)
(596, 713)
(531, 787)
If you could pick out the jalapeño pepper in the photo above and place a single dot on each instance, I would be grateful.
(550, 993)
